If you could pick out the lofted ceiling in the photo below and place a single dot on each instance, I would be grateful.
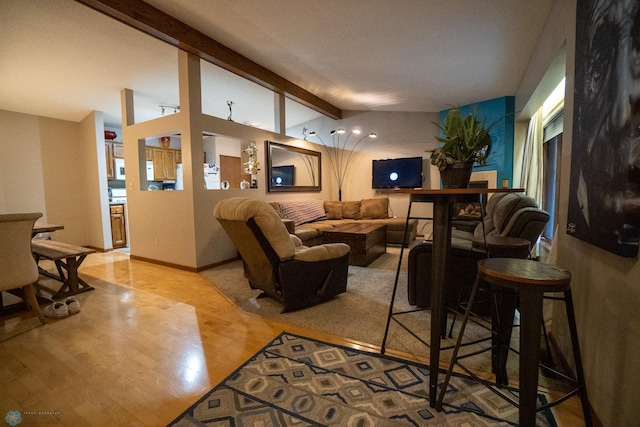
(62, 59)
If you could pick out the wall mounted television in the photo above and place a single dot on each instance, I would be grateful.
(404, 172)
(282, 176)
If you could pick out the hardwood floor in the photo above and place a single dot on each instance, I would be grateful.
(149, 341)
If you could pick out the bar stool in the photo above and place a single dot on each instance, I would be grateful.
(531, 280)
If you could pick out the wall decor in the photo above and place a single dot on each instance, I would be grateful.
(604, 192)
(292, 168)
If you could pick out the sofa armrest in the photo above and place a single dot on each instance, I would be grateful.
(290, 224)
(296, 242)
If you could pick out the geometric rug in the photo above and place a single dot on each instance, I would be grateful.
(298, 381)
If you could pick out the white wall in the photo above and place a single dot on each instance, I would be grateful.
(605, 286)
(21, 173)
(43, 170)
(65, 183)
(98, 232)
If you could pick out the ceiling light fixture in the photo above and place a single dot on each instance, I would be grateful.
(175, 108)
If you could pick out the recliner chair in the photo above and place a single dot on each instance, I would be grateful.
(507, 215)
(276, 262)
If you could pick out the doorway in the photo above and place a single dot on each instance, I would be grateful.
(232, 172)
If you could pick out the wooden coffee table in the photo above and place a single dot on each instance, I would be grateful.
(367, 241)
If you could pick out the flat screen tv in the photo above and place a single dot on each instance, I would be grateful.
(397, 173)
(282, 175)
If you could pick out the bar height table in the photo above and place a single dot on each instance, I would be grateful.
(443, 202)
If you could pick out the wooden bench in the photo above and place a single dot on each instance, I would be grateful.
(67, 258)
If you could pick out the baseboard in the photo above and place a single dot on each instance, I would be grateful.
(184, 267)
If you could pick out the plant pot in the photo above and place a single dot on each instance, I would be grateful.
(456, 175)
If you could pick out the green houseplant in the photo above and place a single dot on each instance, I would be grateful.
(466, 141)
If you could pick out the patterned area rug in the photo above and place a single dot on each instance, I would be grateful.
(297, 381)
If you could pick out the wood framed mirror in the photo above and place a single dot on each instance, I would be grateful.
(292, 168)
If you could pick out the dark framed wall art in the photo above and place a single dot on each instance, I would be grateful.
(604, 196)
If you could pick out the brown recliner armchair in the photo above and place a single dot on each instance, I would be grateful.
(507, 215)
(276, 262)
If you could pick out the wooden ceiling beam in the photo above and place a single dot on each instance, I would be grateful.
(150, 20)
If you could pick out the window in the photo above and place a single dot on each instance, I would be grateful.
(552, 111)
(552, 155)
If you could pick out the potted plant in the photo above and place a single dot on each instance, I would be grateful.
(466, 141)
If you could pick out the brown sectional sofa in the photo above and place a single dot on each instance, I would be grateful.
(308, 219)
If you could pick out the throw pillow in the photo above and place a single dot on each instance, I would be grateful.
(333, 210)
(351, 210)
(374, 208)
(303, 211)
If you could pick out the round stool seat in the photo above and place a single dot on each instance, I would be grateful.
(524, 275)
(499, 246)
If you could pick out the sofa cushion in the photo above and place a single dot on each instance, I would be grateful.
(351, 210)
(306, 234)
(322, 252)
(333, 210)
(333, 222)
(319, 225)
(303, 211)
(374, 208)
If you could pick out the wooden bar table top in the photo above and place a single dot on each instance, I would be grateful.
(443, 202)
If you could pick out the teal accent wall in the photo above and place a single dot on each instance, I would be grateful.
(502, 133)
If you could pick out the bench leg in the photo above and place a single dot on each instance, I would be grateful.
(73, 284)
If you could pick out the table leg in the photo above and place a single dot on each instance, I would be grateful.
(441, 248)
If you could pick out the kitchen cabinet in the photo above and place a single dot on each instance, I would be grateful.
(118, 228)
(108, 152)
(148, 152)
(118, 150)
(164, 164)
